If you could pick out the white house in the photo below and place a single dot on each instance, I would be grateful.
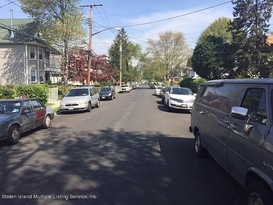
(24, 58)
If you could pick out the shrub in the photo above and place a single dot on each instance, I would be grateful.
(62, 90)
(193, 84)
(106, 83)
(7, 92)
(39, 91)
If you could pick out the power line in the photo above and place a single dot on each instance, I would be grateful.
(174, 17)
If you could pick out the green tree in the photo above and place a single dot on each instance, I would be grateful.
(213, 56)
(217, 29)
(60, 24)
(249, 31)
(130, 52)
(171, 51)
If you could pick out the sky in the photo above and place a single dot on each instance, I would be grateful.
(142, 19)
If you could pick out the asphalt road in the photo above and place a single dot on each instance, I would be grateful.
(130, 151)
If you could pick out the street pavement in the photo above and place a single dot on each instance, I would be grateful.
(130, 151)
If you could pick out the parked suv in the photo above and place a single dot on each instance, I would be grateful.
(232, 120)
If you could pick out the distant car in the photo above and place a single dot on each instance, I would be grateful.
(21, 115)
(125, 88)
(107, 93)
(162, 93)
(179, 98)
(80, 99)
(158, 90)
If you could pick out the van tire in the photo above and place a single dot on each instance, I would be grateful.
(198, 147)
(89, 107)
(257, 192)
(98, 104)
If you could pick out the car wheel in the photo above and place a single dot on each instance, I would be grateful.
(47, 122)
(258, 193)
(112, 97)
(98, 104)
(89, 107)
(13, 135)
(198, 147)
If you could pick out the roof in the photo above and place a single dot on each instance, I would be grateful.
(23, 31)
(240, 81)
(270, 39)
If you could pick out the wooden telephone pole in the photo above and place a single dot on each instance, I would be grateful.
(90, 42)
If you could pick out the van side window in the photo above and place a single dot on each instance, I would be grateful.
(255, 101)
(221, 98)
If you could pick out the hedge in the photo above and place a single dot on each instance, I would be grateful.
(193, 84)
(39, 91)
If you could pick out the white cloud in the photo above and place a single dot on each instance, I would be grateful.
(190, 25)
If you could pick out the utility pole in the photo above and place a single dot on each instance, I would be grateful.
(90, 42)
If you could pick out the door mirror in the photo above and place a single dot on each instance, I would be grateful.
(239, 113)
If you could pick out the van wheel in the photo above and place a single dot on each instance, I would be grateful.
(198, 147)
(258, 193)
(47, 122)
(89, 107)
(14, 135)
(98, 103)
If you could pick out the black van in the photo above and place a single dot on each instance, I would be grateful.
(232, 121)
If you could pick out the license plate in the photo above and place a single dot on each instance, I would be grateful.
(102, 97)
(183, 105)
(70, 108)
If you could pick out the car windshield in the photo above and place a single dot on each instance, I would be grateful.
(181, 91)
(77, 92)
(10, 107)
(105, 90)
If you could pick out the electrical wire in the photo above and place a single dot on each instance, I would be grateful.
(174, 17)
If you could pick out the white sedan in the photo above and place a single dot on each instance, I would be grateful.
(179, 98)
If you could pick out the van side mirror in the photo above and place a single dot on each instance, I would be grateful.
(239, 113)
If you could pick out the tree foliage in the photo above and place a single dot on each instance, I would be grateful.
(170, 51)
(60, 23)
(249, 29)
(130, 52)
(213, 56)
(217, 29)
(78, 63)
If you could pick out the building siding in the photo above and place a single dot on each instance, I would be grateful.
(12, 64)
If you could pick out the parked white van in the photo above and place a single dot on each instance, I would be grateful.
(232, 120)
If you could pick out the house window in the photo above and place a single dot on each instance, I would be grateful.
(33, 76)
(40, 54)
(47, 55)
(41, 75)
(32, 53)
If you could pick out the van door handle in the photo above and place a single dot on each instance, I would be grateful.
(202, 112)
(233, 126)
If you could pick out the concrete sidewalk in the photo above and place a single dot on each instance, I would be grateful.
(54, 104)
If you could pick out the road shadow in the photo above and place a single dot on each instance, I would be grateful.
(112, 168)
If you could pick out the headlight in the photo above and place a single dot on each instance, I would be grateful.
(109, 94)
(82, 102)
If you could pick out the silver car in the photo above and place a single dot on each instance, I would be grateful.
(80, 99)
